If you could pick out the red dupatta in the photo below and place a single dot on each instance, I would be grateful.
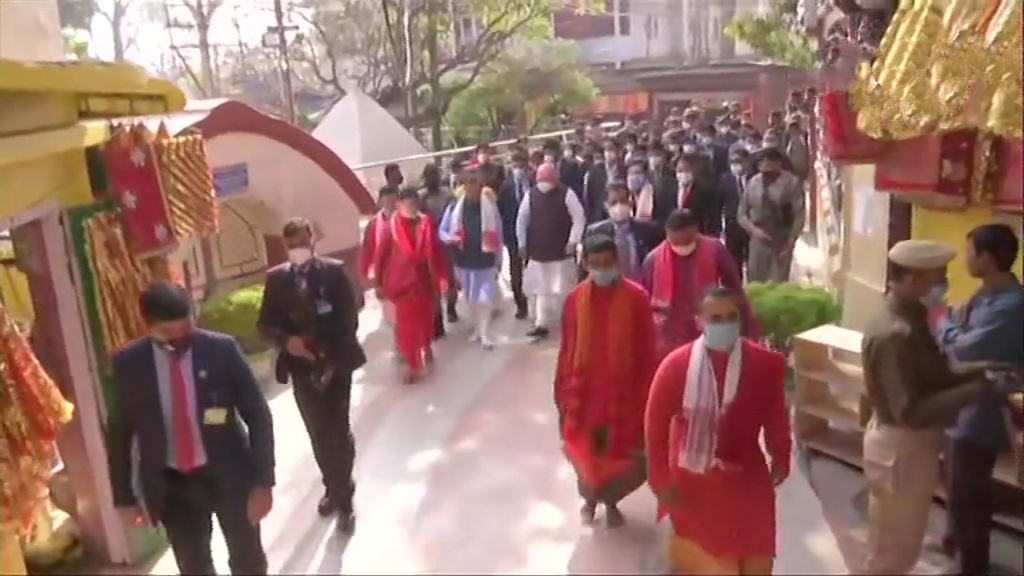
(420, 250)
(664, 281)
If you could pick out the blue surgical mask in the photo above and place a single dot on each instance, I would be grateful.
(721, 337)
(935, 296)
(605, 277)
(636, 182)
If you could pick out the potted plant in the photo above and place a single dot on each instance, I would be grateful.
(785, 309)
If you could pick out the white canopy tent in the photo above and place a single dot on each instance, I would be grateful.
(366, 136)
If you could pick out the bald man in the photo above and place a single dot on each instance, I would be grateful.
(549, 226)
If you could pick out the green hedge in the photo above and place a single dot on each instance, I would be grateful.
(786, 309)
(235, 313)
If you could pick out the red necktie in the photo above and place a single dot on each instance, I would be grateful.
(184, 435)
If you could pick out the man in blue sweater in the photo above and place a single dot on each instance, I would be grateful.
(985, 329)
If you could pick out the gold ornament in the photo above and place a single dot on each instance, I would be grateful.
(1004, 75)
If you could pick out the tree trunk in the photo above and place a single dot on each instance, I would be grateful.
(206, 73)
(117, 33)
(436, 109)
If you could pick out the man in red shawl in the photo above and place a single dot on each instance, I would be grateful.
(709, 402)
(680, 271)
(605, 365)
(388, 202)
(410, 271)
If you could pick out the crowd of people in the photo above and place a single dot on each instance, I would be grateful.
(695, 179)
(635, 247)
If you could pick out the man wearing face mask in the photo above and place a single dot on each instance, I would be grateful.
(436, 199)
(680, 271)
(914, 396)
(773, 141)
(412, 271)
(595, 183)
(692, 194)
(634, 238)
(710, 401)
(517, 186)
(549, 226)
(377, 226)
(731, 187)
(605, 364)
(471, 227)
(570, 170)
(771, 210)
(310, 309)
(640, 188)
(492, 173)
(192, 408)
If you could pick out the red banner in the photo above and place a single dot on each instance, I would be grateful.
(134, 180)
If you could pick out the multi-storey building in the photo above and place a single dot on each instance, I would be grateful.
(657, 53)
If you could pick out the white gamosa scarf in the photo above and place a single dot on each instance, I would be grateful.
(490, 243)
(702, 408)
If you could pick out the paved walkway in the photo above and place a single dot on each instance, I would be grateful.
(462, 474)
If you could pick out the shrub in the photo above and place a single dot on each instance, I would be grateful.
(784, 310)
(235, 313)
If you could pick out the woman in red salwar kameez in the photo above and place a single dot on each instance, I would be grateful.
(411, 272)
(709, 402)
(605, 365)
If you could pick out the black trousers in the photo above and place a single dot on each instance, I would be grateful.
(969, 522)
(190, 503)
(737, 244)
(515, 272)
(325, 413)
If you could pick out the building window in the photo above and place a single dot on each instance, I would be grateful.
(651, 27)
(570, 24)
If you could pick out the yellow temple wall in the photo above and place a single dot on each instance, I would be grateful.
(952, 228)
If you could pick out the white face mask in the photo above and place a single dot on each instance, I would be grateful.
(300, 256)
(684, 177)
(737, 169)
(549, 159)
(545, 186)
(684, 250)
(619, 212)
(482, 158)
(689, 149)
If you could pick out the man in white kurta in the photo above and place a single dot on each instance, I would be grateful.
(549, 226)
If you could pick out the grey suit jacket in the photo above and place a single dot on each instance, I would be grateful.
(243, 455)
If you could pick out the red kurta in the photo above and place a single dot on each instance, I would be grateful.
(367, 250)
(412, 277)
(606, 396)
(729, 512)
(691, 277)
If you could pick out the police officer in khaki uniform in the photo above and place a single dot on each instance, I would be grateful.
(914, 396)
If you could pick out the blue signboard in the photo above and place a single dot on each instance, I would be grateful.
(232, 179)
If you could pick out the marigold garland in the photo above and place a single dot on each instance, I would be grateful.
(32, 411)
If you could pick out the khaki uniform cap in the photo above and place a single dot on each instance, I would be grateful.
(922, 254)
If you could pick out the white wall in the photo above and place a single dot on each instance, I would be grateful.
(289, 185)
(30, 30)
(639, 44)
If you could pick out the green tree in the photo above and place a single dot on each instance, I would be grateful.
(76, 14)
(75, 45)
(423, 51)
(776, 34)
(526, 87)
